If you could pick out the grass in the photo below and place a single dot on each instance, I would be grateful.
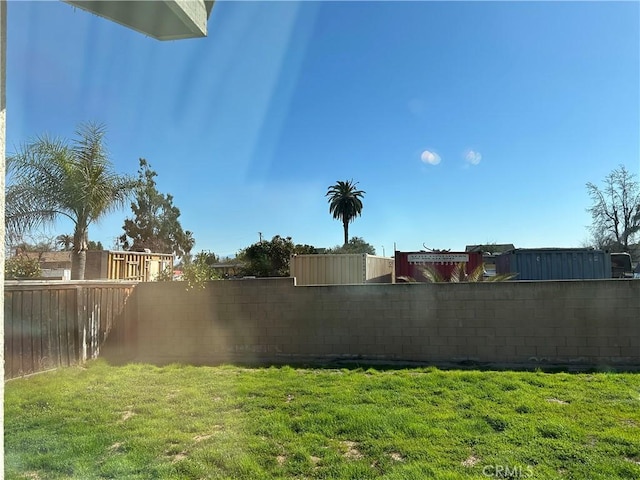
(181, 422)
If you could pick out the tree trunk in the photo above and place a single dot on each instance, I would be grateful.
(346, 232)
(78, 264)
(79, 255)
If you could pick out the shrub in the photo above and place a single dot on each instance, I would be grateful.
(22, 266)
(200, 270)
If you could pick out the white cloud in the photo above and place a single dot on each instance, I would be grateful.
(430, 158)
(472, 157)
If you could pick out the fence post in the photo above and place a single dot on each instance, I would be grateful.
(81, 322)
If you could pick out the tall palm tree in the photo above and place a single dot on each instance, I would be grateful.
(51, 178)
(345, 203)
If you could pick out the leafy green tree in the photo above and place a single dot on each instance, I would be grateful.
(156, 225)
(52, 178)
(304, 249)
(91, 245)
(355, 245)
(201, 269)
(271, 258)
(345, 203)
(615, 210)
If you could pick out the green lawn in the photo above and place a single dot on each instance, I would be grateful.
(181, 422)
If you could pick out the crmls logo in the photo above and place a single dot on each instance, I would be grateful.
(507, 471)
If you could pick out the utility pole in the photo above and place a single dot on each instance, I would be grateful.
(260, 233)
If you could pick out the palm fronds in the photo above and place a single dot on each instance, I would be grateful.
(49, 177)
(459, 275)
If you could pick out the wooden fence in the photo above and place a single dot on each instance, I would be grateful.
(53, 324)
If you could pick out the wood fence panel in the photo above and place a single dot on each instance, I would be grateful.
(54, 329)
(27, 332)
(47, 360)
(70, 321)
(56, 324)
(37, 323)
(9, 333)
(63, 355)
(81, 322)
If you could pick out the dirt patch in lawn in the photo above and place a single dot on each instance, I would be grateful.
(178, 457)
(126, 415)
(471, 461)
(115, 447)
(352, 452)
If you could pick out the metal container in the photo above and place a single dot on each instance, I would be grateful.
(338, 269)
(621, 265)
(555, 263)
(412, 264)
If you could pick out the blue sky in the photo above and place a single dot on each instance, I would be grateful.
(464, 122)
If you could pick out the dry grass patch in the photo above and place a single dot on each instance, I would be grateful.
(471, 461)
(201, 438)
(352, 452)
(178, 457)
(126, 415)
(116, 446)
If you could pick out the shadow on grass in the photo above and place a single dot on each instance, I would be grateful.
(118, 358)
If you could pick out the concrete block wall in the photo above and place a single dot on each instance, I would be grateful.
(96, 265)
(594, 322)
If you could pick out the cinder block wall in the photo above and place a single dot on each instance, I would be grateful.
(594, 322)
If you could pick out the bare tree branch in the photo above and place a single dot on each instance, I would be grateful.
(615, 210)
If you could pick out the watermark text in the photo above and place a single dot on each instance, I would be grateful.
(507, 471)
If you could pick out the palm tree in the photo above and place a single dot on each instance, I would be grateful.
(65, 242)
(51, 178)
(345, 203)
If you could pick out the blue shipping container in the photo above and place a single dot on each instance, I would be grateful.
(555, 263)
